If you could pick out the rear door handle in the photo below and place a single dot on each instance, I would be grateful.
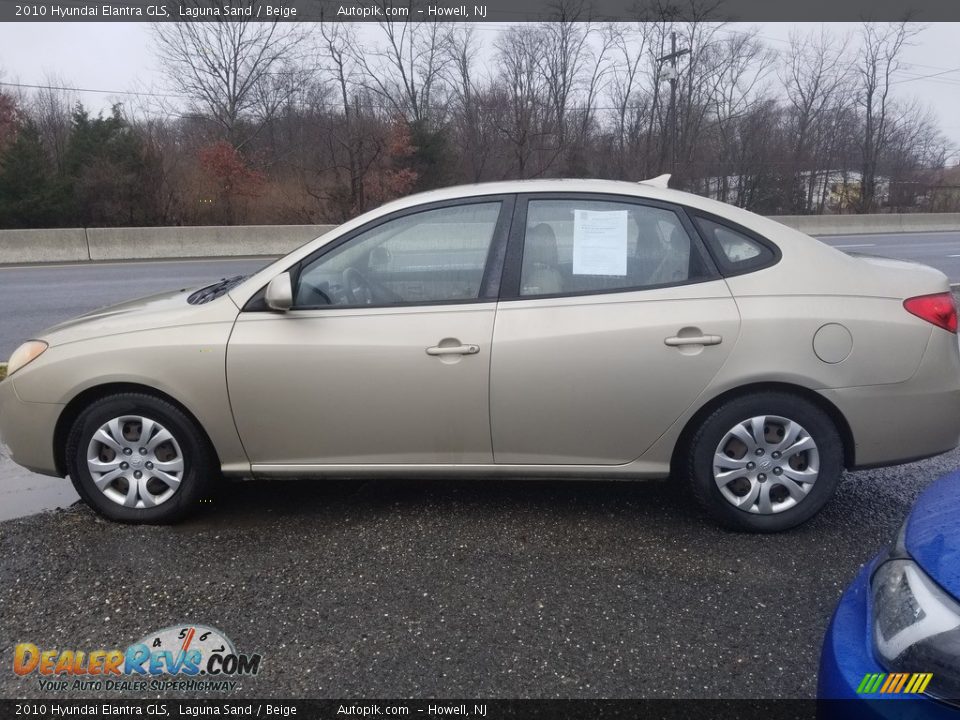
(695, 340)
(454, 350)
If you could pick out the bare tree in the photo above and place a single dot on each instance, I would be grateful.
(339, 41)
(699, 75)
(523, 91)
(741, 64)
(564, 51)
(51, 108)
(10, 116)
(407, 70)
(914, 146)
(815, 77)
(880, 58)
(597, 68)
(234, 69)
(473, 126)
(630, 101)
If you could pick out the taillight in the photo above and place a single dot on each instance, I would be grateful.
(939, 309)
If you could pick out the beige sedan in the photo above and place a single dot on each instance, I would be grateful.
(583, 329)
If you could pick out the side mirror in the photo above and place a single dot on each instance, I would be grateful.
(280, 293)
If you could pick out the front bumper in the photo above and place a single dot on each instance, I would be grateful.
(847, 656)
(26, 429)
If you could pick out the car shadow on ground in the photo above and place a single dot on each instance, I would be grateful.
(864, 499)
(250, 500)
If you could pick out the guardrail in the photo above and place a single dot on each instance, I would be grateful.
(99, 244)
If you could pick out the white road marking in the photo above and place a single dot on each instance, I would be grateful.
(857, 245)
(953, 255)
(926, 233)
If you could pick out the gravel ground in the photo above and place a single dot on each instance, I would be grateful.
(468, 589)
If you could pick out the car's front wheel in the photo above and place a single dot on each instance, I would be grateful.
(136, 458)
(764, 462)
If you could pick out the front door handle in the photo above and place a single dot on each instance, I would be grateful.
(453, 350)
(677, 341)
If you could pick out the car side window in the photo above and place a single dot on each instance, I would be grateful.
(431, 256)
(581, 246)
(737, 252)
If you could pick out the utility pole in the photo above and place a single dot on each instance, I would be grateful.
(672, 74)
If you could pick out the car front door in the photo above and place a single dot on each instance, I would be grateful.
(612, 321)
(384, 358)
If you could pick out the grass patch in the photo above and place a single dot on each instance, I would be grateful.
(3, 370)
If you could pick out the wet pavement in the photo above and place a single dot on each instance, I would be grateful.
(460, 588)
(24, 493)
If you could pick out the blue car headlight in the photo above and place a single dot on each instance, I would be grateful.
(916, 625)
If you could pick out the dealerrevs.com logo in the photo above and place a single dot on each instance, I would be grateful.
(188, 657)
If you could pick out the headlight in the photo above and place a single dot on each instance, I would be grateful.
(25, 354)
(916, 626)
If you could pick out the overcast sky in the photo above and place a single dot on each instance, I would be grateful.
(118, 57)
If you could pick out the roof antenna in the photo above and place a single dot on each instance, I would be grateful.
(661, 181)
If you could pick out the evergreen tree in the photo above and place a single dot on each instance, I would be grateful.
(30, 196)
(105, 167)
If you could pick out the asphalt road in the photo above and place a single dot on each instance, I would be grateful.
(35, 297)
(937, 249)
(460, 588)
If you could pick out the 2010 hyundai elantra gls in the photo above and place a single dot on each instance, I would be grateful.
(584, 329)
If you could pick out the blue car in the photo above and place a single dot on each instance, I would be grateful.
(896, 633)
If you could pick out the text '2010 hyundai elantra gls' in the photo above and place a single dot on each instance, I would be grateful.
(555, 328)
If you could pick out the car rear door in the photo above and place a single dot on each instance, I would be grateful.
(385, 357)
(612, 321)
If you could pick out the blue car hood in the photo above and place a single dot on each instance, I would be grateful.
(933, 532)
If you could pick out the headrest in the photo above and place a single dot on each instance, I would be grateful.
(541, 245)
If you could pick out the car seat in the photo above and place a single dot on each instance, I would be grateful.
(541, 272)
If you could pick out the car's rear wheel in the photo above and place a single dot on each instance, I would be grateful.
(136, 458)
(764, 462)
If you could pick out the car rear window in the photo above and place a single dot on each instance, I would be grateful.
(734, 250)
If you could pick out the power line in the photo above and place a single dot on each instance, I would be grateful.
(914, 78)
(90, 90)
(768, 38)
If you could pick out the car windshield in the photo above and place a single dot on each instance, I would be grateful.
(211, 292)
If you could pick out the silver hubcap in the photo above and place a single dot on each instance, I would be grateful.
(135, 461)
(766, 464)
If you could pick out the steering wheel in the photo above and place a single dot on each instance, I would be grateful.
(357, 287)
(316, 292)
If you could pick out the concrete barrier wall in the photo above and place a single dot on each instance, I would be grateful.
(29, 246)
(863, 224)
(210, 241)
(80, 245)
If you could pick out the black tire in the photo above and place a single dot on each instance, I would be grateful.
(696, 465)
(199, 461)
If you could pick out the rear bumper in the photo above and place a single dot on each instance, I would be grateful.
(906, 421)
(26, 429)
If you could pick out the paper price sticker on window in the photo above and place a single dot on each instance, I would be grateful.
(600, 242)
